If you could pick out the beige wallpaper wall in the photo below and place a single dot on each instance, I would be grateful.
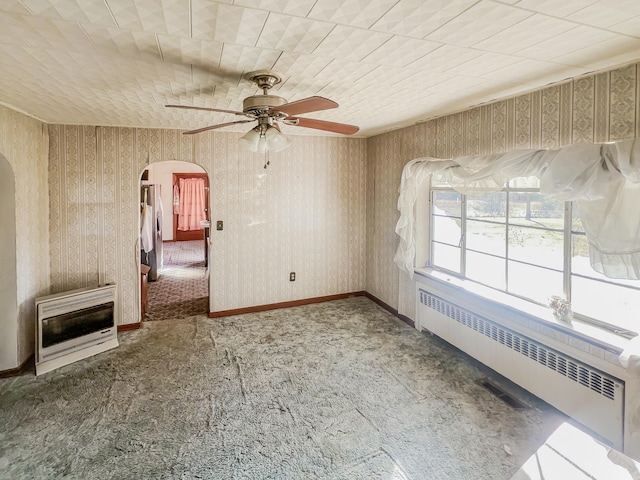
(24, 143)
(595, 108)
(305, 213)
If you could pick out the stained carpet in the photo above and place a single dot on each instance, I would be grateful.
(337, 390)
(181, 288)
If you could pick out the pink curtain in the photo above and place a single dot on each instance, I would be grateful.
(192, 204)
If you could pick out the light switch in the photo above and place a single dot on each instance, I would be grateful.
(219, 225)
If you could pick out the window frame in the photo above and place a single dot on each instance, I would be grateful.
(567, 272)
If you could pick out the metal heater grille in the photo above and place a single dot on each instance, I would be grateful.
(562, 364)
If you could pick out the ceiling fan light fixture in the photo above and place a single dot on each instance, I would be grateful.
(262, 144)
(251, 140)
(271, 140)
(276, 141)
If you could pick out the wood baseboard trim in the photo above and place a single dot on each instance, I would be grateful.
(390, 309)
(19, 370)
(129, 326)
(274, 306)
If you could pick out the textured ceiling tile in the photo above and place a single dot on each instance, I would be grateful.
(117, 41)
(350, 43)
(61, 34)
(418, 18)
(13, 6)
(293, 34)
(424, 81)
(483, 64)
(66, 62)
(461, 83)
(237, 59)
(298, 8)
(606, 12)
(393, 77)
(160, 16)
(478, 23)
(16, 30)
(400, 51)
(530, 31)
(185, 93)
(554, 8)
(575, 39)
(616, 51)
(525, 69)
(105, 68)
(296, 88)
(226, 23)
(190, 51)
(347, 72)
(301, 66)
(628, 27)
(331, 90)
(150, 70)
(358, 13)
(379, 78)
(17, 59)
(445, 58)
(81, 11)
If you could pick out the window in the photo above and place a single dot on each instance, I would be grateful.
(519, 242)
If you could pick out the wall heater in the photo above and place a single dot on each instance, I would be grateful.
(74, 325)
(587, 394)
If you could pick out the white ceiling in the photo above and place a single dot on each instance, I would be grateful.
(388, 63)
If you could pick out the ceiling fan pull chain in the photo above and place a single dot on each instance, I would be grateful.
(266, 157)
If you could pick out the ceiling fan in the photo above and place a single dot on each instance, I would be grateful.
(268, 110)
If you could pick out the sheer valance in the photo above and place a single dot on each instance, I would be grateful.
(603, 179)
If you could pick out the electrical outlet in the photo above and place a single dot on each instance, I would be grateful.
(292, 277)
(219, 225)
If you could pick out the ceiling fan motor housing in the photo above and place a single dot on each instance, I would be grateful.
(260, 103)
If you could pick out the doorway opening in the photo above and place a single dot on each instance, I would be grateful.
(174, 241)
(9, 277)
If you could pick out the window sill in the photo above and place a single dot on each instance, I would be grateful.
(588, 338)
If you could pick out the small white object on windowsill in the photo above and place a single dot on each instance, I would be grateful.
(561, 308)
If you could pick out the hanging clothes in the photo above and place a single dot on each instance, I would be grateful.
(192, 209)
(146, 225)
(176, 199)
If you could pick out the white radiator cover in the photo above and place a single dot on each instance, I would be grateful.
(592, 397)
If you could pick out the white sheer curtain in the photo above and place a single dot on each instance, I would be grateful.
(603, 179)
(192, 208)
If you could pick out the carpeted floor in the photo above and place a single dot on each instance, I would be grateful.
(337, 390)
(182, 287)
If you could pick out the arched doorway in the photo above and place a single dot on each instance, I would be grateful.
(178, 278)
(8, 279)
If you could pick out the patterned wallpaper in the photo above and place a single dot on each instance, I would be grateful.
(597, 108)
(24, 143)
(304, 213)
(325, 208)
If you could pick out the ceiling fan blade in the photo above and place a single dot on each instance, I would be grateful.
(306, 105)
(209, 109)
(334, 127)
(204, 129)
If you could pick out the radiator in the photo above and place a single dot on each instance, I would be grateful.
(590, 396)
